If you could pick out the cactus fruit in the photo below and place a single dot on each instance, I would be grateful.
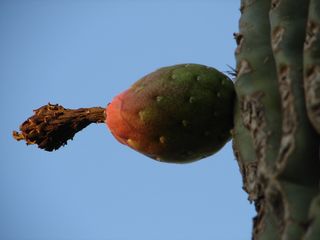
(179, 114)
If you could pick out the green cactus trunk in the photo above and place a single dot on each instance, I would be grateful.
(276, 146)
(311, 60)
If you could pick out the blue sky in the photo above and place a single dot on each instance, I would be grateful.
(82, 54)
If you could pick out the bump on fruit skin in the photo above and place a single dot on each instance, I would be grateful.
(177, 114)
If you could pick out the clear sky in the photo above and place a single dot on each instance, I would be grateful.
(82, 54)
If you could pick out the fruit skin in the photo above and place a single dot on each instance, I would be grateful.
(177, 114)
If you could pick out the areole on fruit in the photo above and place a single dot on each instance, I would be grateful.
(177, 114)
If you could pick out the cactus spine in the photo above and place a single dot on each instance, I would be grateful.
(280, 166)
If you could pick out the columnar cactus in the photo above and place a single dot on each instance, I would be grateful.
(279, 159)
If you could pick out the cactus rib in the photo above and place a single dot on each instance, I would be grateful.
(312, 64)
(256, 136)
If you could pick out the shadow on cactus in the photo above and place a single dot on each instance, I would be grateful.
(177, 114)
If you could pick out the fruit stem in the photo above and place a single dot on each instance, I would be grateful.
(52, 125)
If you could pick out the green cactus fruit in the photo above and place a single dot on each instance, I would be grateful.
(176, 114)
